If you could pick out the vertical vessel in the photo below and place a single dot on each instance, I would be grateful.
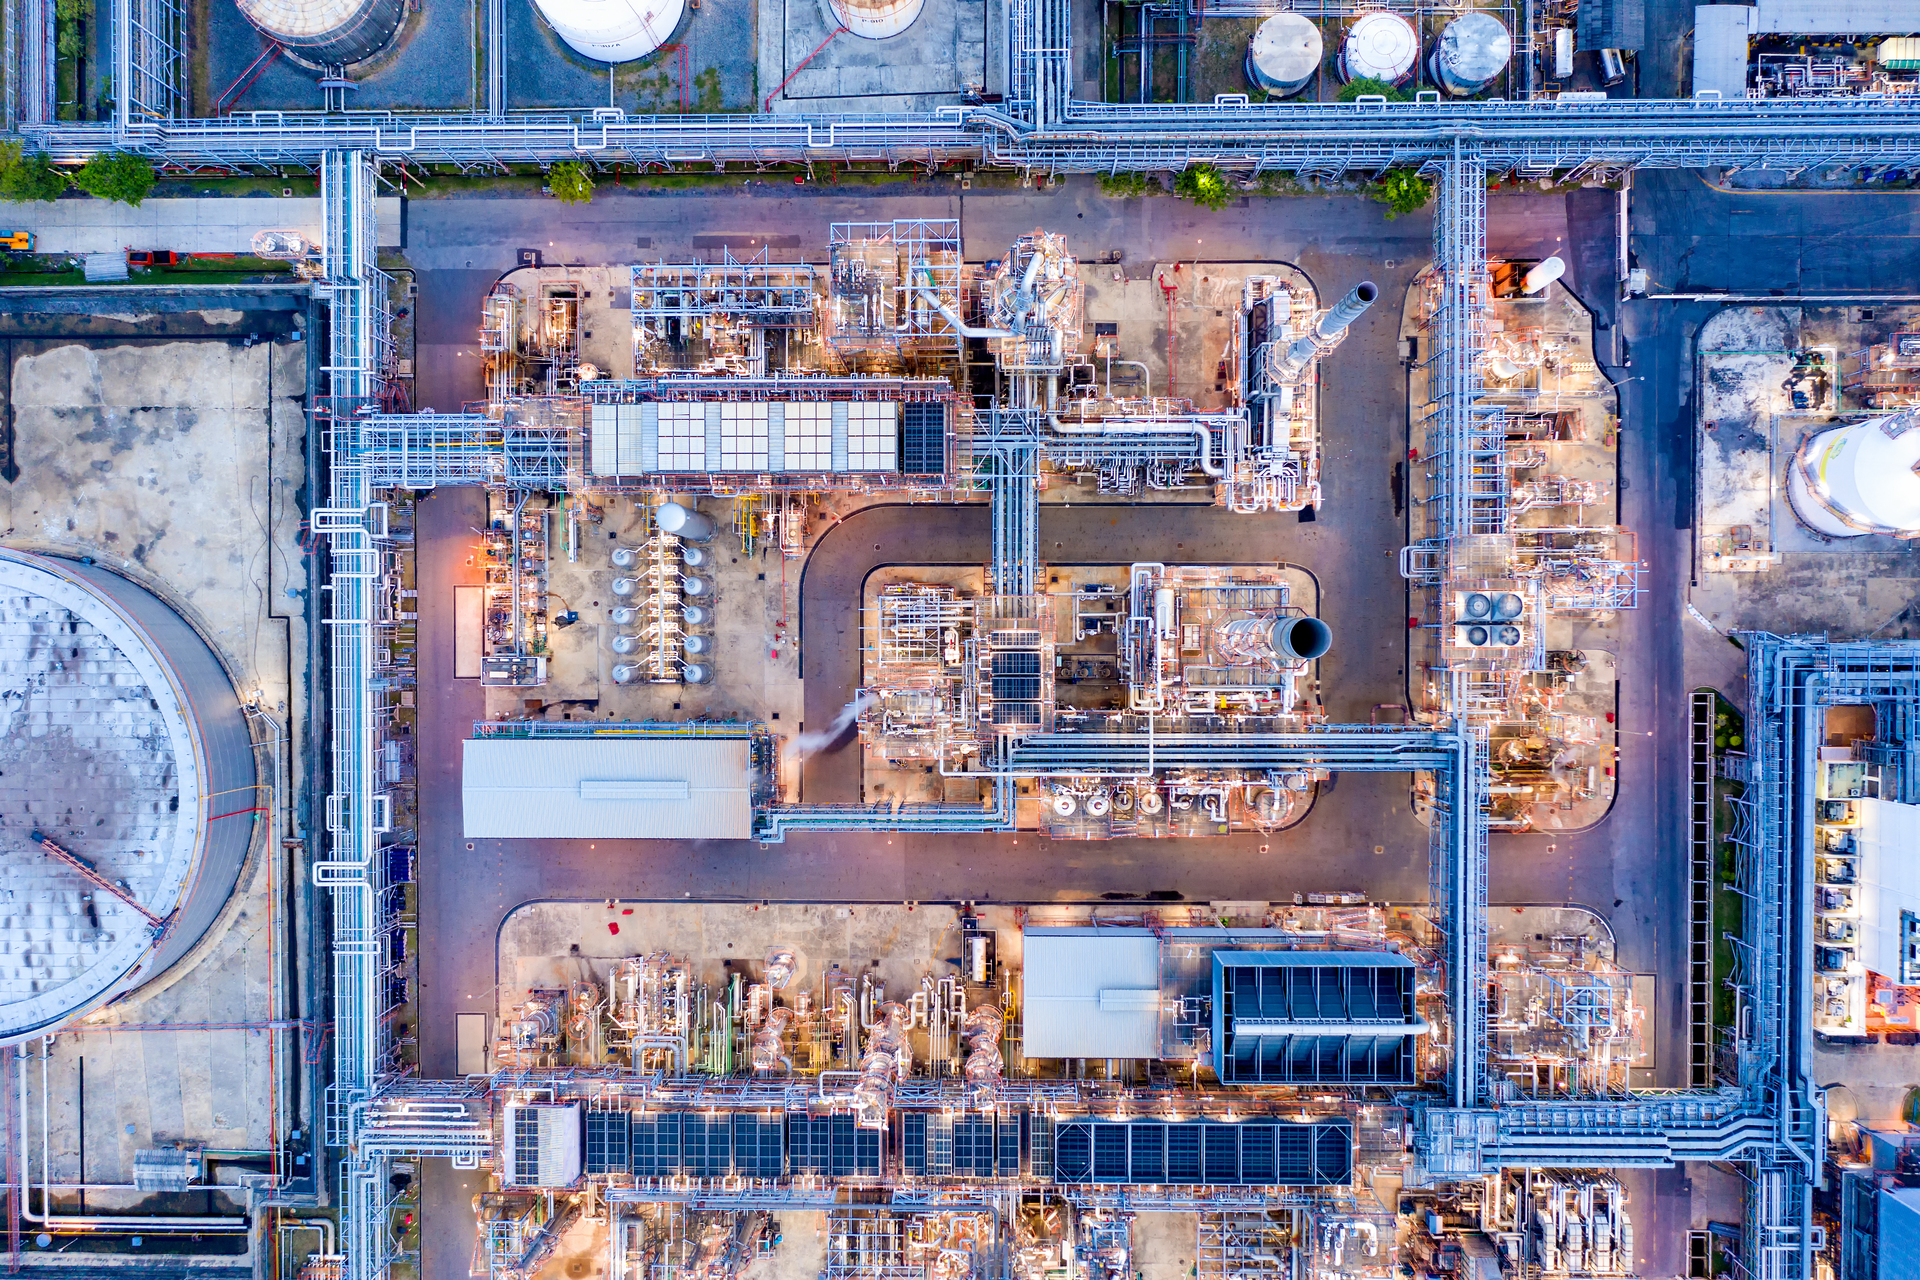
(1380, 46)
(1471, 53)
(1284, 54)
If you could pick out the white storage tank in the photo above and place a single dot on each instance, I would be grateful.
(612, 30)
(327, 33)
(1857, 479)
(876, 19)
(1284, 54)
(1380, 46)
(127, 789)
(1471, 53)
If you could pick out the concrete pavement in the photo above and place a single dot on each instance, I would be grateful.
(82, 224)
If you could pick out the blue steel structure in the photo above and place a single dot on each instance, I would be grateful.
(1770, 1121)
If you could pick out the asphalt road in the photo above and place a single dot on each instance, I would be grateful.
(1630, 867)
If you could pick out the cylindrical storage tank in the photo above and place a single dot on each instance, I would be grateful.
(696, 673)
(327, 33)
(1284, 54)
(624, 674)
(625, 586)
(624, 557)
(1858, 479)
(683, 523)
(1380, 46)
(612, 30)
(123, 744)
(1471, 53)
(696, 644)
(693, 557)
(623, 616)
(876, 19)
(625, 644)
(693, 586)
(693, 615)
(1562, 52)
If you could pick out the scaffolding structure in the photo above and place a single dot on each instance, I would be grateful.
(150, 40)
(885, 284)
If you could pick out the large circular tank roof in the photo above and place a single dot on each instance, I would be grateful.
(876, 19)
(613, 30)
(1473, 50)
(1284, 53)
(327, 32)
(1859, 479)
(1380, 46)
(126, 789)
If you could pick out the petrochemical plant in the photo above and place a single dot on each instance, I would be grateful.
(919, 717)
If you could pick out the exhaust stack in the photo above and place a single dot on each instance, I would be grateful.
(1291, 365)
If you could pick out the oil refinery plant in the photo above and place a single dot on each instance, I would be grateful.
(1030, 641)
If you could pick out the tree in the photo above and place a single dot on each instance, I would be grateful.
(1203, 184)
(1367, 86)
(1402, 191)
(1125, 186)
(569, 181)
(116, 175)
(28, 177)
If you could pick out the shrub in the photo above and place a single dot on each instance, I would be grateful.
(1203, 184)
(570, 182)
(1362, 86)
(28, 177)
(1402, 191)
(116, 175)
(1125, 186)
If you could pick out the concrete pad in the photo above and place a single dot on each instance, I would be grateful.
(927, 65)
(178, 462)
(191, 225)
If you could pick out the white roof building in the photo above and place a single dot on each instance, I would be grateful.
(608, 788)
(1091, 993)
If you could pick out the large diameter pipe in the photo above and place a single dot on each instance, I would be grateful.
(1326, 332)
(960, 326)
(1347, 310)
(1119, 428)
(1303, 638)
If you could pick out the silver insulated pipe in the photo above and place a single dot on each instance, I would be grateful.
(1326, 333)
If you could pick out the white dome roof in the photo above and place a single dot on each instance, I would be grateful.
(1380, 46)
(613, 30)
(1859, 479)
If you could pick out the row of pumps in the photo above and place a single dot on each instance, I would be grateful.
(1470, 54)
